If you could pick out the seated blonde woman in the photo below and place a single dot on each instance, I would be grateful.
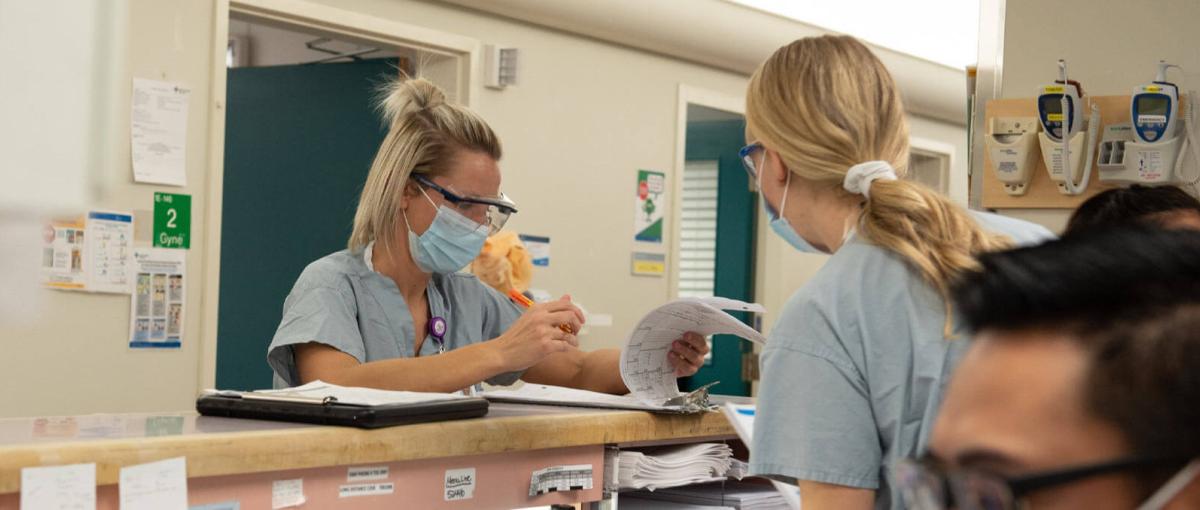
(393, 312)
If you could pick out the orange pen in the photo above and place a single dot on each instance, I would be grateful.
(520, 299)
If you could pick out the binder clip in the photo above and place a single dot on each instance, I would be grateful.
(693, 401)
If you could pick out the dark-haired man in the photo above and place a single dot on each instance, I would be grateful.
(1159, 206)
(1082, 389)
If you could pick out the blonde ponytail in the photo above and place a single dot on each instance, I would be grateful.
(424, 134)
(826, 104)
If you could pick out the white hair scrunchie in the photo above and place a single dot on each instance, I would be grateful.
(859, 177)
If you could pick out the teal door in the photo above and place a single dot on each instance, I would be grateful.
(299, 141)
(713, 145)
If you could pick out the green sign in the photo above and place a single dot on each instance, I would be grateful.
(172, 220)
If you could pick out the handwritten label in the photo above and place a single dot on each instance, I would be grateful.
(287, 493)
(70, 487)
(460, 484)
(365, 473)
(366, 489)
(155, 486)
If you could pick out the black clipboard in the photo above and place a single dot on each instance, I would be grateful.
(331, 412)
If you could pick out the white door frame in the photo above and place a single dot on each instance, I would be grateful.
(462, 56)
(689, 94)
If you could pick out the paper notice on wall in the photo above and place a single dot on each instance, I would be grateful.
(108, 251)
(158, 485)
(158, 133)
(538, 248)
(62, 255)
(70, 487)
(650, 206)
(156, 311)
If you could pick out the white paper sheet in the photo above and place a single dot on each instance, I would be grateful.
(70, 487)
(644, 364)
(158, 300)
(557, 395)
(158, 485)
(158, 132)
(108, 250)
(318, 390)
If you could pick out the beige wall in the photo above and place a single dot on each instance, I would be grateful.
(74, 356)
(1110, 46)
(584, 118)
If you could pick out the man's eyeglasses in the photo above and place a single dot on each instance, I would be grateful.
(490, 211)
(746, 154)
(927, 484)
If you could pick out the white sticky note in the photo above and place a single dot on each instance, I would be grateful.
(366, 489)
(287, 493)
(460, 484)
(365, 473)
(158, 485)
(70, 487)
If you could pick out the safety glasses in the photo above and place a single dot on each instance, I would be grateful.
(927, 484)
(746, 154)
(490, 211)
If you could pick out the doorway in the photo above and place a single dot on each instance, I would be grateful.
(715, 239)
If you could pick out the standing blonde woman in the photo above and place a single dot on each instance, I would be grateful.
(393, 312)
(853, 370)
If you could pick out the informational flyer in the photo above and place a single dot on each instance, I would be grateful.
(156, 311)
(107, 252)
(650, 206)
(158, 132)
(538, 248)
(91, 254)
(62, 255)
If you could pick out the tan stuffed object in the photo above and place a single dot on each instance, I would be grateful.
(504, 264)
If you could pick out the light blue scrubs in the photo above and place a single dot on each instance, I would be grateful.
(853, 370)
(340, 302)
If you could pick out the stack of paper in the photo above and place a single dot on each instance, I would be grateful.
(317, 391)
(738, 495)
(673, 466)
(559, 396)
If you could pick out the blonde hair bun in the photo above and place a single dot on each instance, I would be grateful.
(407, 96)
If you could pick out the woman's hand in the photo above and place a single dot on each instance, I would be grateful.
(544, 329)
(687, 354)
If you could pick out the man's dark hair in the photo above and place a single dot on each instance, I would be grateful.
(1130, 298)
(1122, 206)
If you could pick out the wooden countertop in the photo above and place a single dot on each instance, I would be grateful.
(225, 446)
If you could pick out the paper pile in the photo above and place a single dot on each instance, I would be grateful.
(737, 495)
(673, 466)
(318, 391)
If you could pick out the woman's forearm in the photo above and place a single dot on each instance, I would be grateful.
(447, 372)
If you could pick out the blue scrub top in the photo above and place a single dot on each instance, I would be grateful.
(341, 302)
(853, 370)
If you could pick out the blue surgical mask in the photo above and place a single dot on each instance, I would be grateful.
(782, 227)
(451, 242)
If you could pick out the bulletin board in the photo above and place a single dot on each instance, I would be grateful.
(1042, 193)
